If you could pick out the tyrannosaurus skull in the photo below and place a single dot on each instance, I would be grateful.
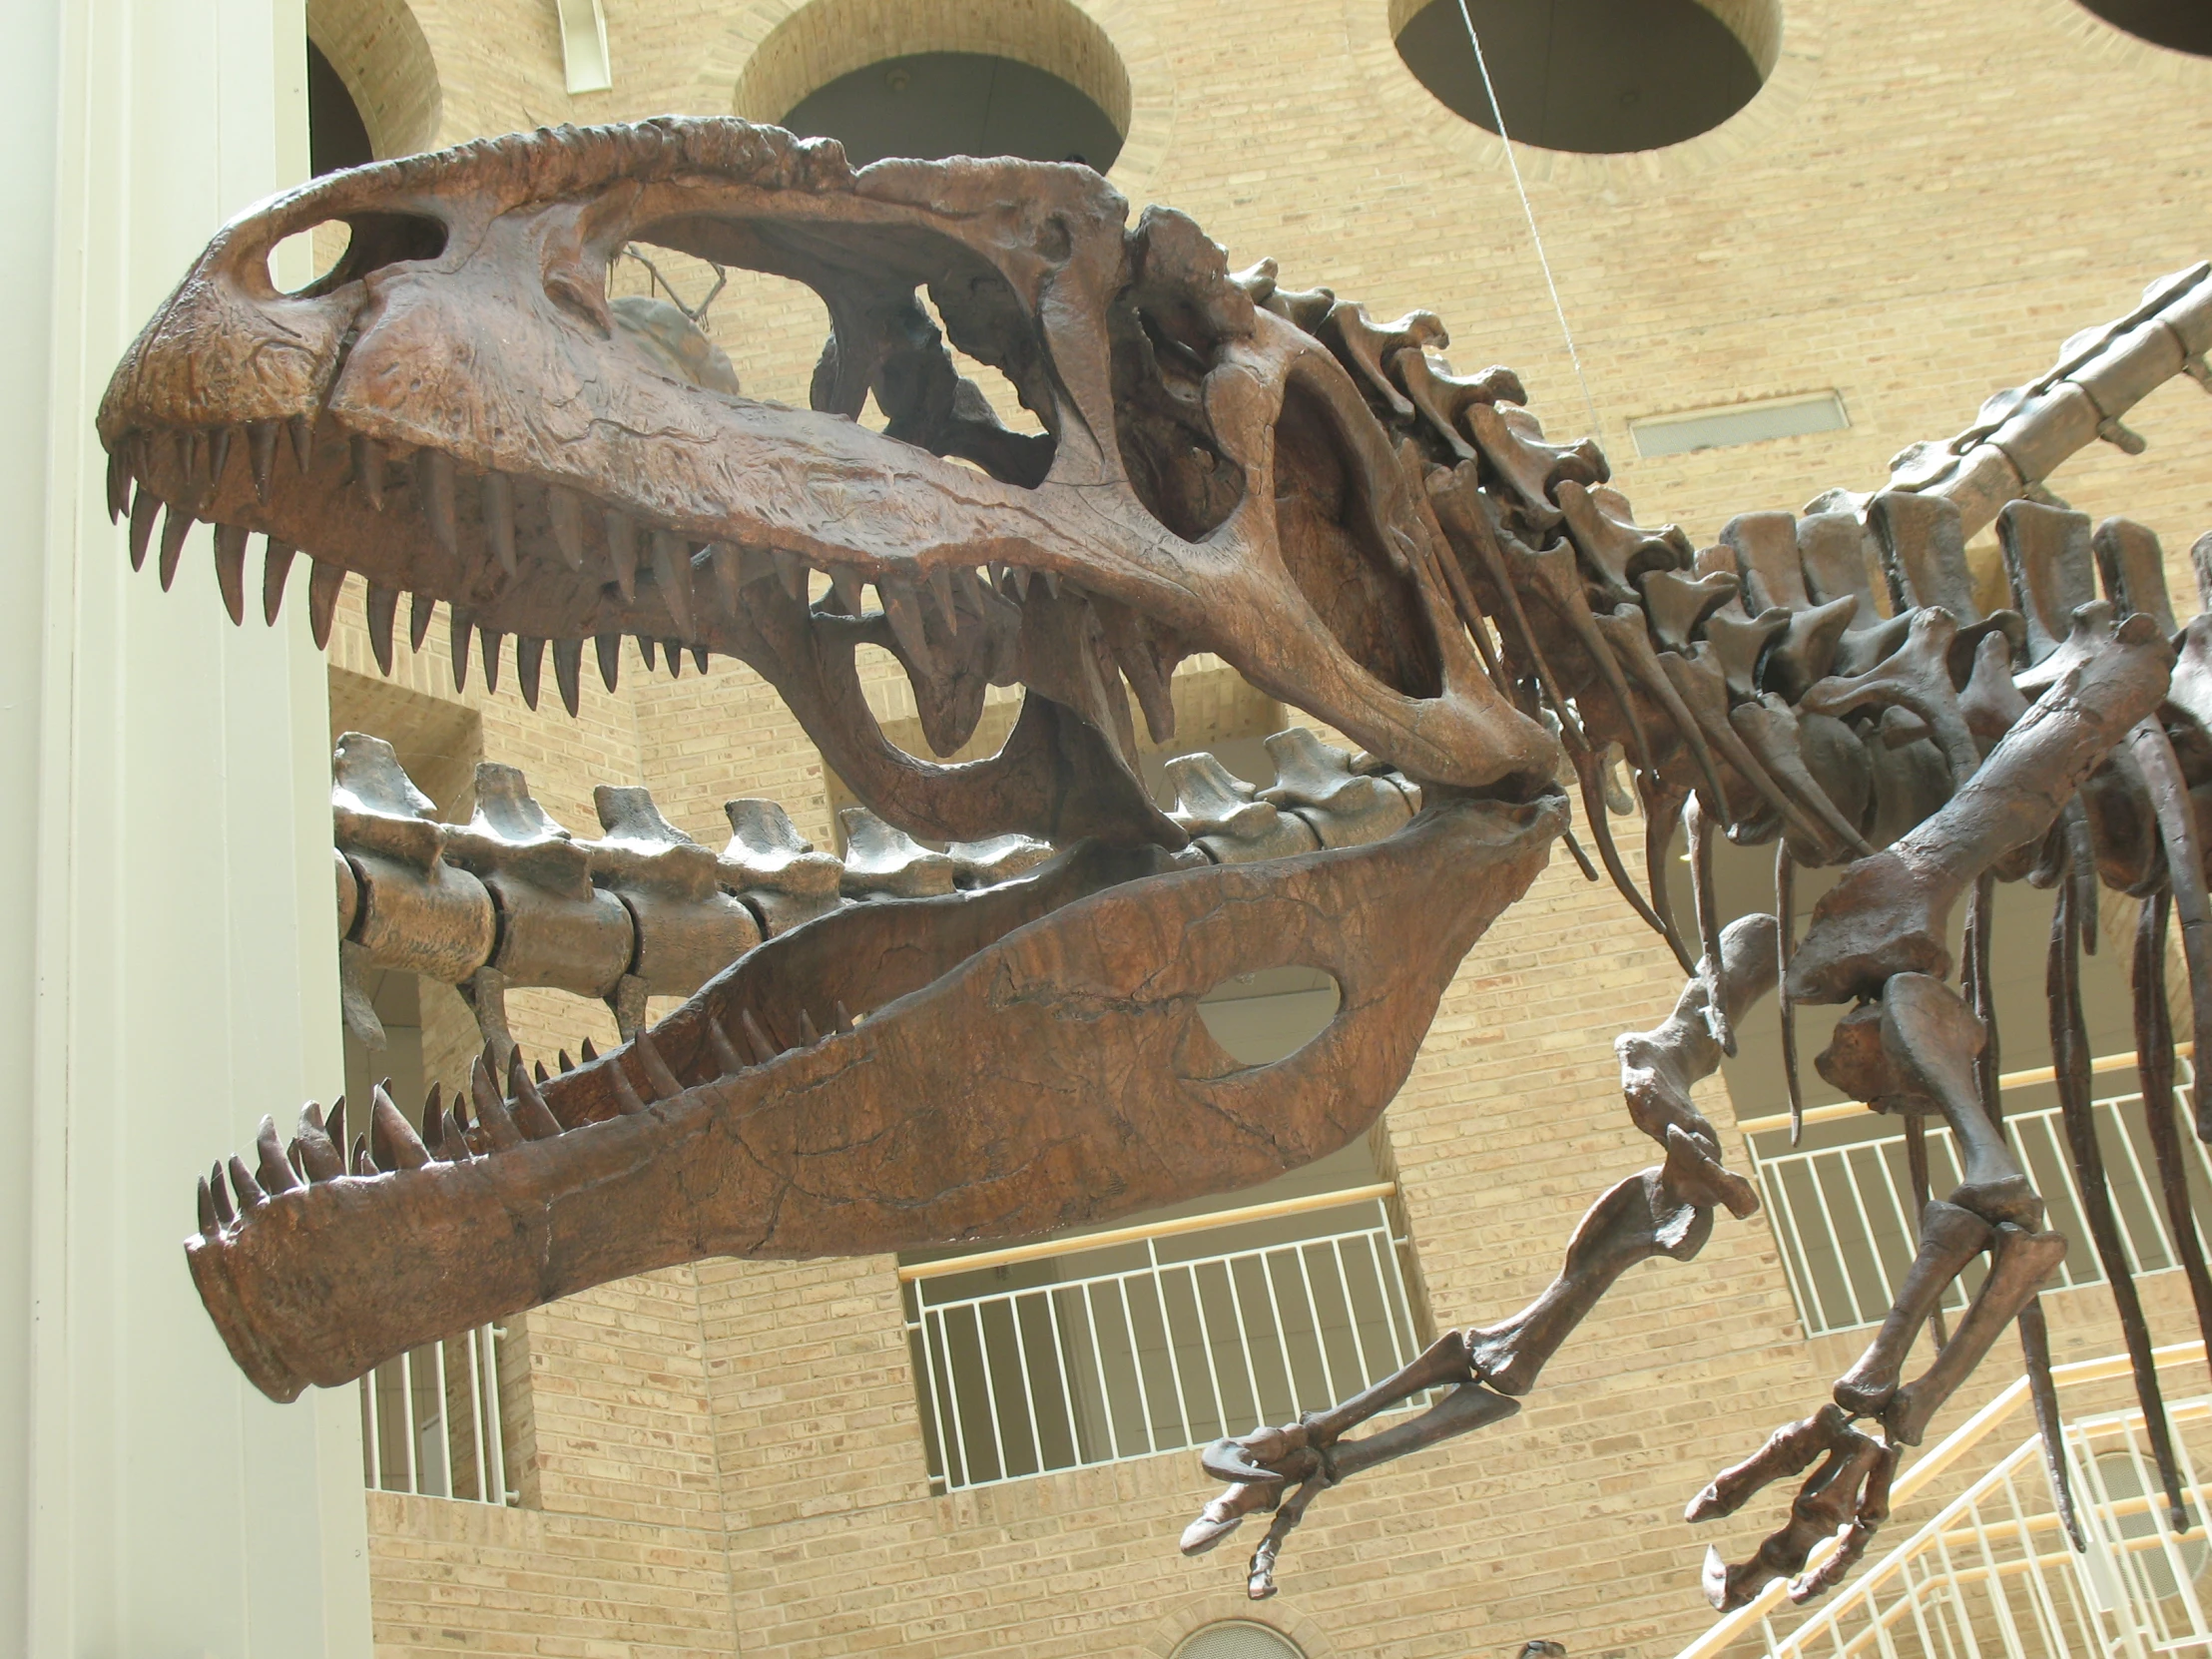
(457, 413)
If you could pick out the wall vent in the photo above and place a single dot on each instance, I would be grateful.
(1775, 418)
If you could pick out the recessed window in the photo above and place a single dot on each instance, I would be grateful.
(1775, 418)
(337, 138)
(2183, 25)
(930, 105)
(1596, 75)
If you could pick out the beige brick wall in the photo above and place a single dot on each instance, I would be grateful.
(726, 1458)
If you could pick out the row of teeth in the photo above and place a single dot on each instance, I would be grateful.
(989, 596)
(389, 1144)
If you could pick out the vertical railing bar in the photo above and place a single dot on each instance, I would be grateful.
(1028, 1393)
(476, 1414)
(1244, 1342)
(1866, 1228)
(445, 1421)
(1205, 1346)
(1282, 1337)
(1906, 1220)
(1098, 1364)
(369, 1443)
(2059, 1155)
(1382, 1290)
(991, 1388)
(410, 1430)
(1810, 1300)
(1067, 1382)
(1136, 1359)
(1313, 1312)
(498, 1416)
(1352, 1318)
(1836, 1242)
(1167, 1333)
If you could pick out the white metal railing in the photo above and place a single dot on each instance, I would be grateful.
(1176, 1348)
(431, 1421)
(1842, 1213)
(1991, 1574)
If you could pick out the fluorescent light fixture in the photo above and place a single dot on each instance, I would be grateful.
(1775, 417)
(584, 44)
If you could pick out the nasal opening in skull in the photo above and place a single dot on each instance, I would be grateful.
(1326, 527)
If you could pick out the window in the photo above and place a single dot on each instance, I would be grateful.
(1238, 1639)
(929, 105)
(2181, 25)
(1604, 76)
(1777, 418)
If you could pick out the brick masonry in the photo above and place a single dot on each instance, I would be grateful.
(725, 1459)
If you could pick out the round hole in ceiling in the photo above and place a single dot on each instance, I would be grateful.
(1594, 75)
(930, 105)
(337, 137)
(2180, 25)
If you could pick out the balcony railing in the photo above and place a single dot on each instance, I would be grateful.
(1991, 1574)
(1843, 1213)
(1064, 1355)
(431, 1421)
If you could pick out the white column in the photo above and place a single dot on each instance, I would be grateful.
(166, 965)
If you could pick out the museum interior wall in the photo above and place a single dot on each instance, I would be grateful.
(1909, 208)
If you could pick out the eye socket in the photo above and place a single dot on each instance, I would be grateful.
(342, 250)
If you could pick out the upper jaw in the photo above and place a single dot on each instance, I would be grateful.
(477, 385)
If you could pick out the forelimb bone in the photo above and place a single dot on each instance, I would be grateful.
(1949, 1239)
(2020, 1264)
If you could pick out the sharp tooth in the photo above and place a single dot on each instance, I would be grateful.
(176, 525)
(971, 590)
(363, 1164)
(433, 1122)
(851, 592)
(303, 444)
(567, 515)
(219, 451)
(1051, 583)
(725, 1053)
(672, 570)
(498, 497)
(368, 469)
(808, 1035)
(419, 612)
(622, 554)
(323, 586)
(219, 1196)
(382, 607)
(391, 1137)
(538, 1071)
(490, 638)
(663, 1081)
(210, 1226)
(790, 570)
(700, 657)
(453, 1137)
(672, 654)
(531, 1112)
(762, 1047)
(729, 564)
(251, 1195)
(278, 1175)
(529, 662)
(844, 1019)
(904, 606)
(119, 480)
(589, 1053)
(318, 1154)
(229, 569)
(645, 650)
(144, 506)
(491, 1111)
(568, 674)
(460, 630)
(260, 455)
(1013, 582)
(334, 1127)
(567, 1065)
(276, 570)
(940, 589)
(434, 483)
(626, 1093)
(609, 647)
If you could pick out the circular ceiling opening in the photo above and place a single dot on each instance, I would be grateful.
(1596, 75)
(337, 137)
(2182, 25)
(930, 105)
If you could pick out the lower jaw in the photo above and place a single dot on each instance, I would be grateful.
(1058, 1076)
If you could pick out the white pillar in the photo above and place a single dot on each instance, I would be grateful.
(166, 965)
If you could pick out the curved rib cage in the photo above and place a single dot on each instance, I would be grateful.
(1227, 467)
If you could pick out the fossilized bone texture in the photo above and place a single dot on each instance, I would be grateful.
(981, 1021)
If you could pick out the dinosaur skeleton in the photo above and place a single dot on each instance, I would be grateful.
(1227, 466)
